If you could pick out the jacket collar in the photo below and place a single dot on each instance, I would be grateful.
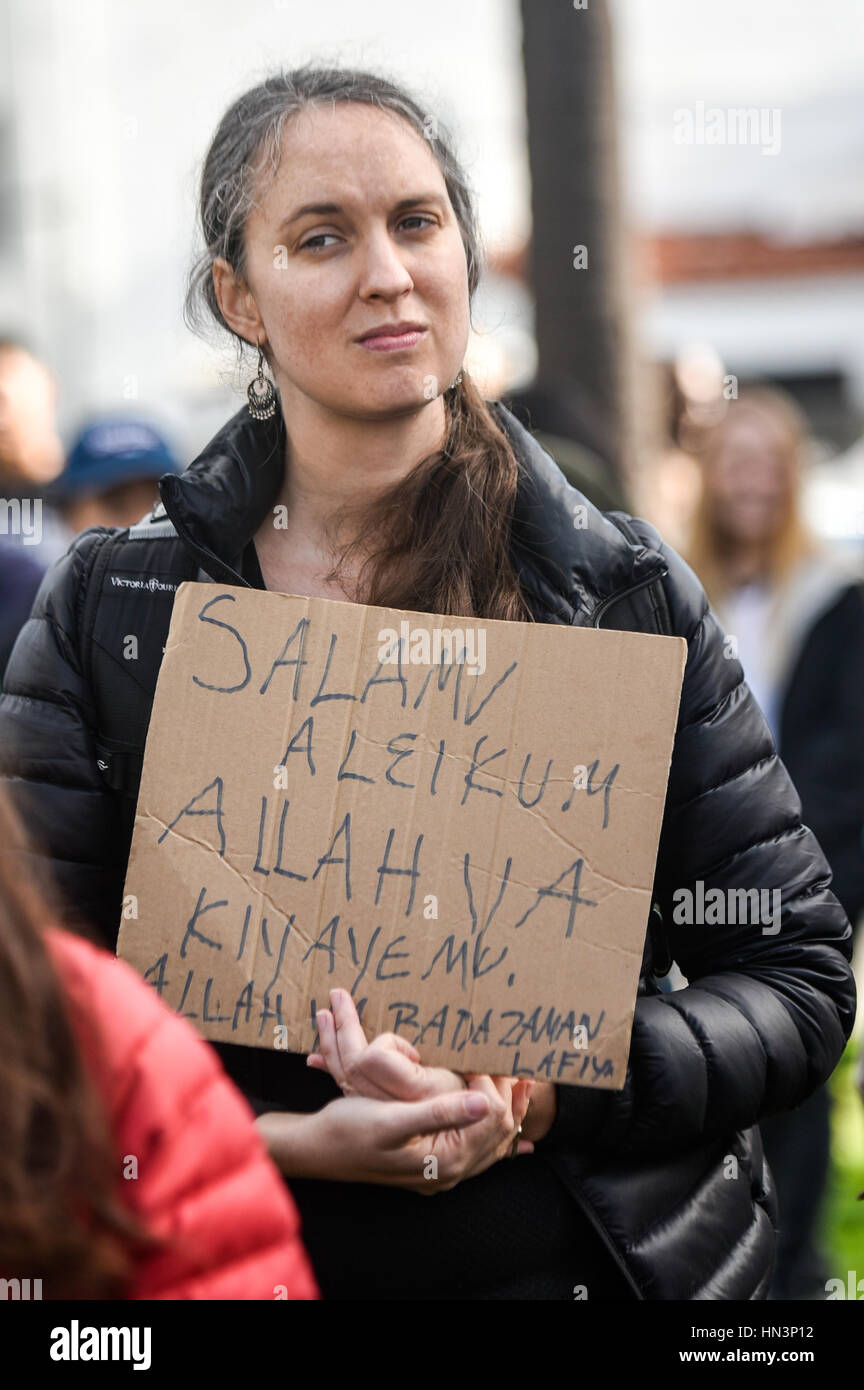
(569, 556)
(219, 502)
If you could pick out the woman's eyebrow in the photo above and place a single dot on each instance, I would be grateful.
(323, 208)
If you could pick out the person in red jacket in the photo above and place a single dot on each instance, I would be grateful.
(131, 1166)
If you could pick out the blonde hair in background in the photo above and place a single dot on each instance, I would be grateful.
(793, 541)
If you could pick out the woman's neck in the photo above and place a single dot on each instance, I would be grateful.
(335, 462)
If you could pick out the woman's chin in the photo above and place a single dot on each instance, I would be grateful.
(393, 400)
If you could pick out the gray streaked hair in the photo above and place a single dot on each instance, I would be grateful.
(247, 147)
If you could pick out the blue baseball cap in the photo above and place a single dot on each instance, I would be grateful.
(110, 452)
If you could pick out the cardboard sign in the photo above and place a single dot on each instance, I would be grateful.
(455, 819)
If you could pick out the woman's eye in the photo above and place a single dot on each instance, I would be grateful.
(418, 217)
(319, 237)
(316, 243)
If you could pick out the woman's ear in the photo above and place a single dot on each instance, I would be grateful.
(236, 301)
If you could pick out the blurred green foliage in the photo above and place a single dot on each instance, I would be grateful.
(843, 1216)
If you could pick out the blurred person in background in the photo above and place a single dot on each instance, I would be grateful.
(31, 455)
(110, 479)
(20, 577)
(130, 1165)
(793, 612)
(111, 474)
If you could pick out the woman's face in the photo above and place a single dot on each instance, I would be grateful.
(750, 480)
(380, 245)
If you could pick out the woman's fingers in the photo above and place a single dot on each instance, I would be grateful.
(452, 1110)
(388, 1075)
(393, 1042)
(373, 1082)
(341, 1039)
(350, 1038)
(485, 1085)
(388, 1068)
(509, 1107)
(521, 1100)
(507, 1096)
(328, 1047)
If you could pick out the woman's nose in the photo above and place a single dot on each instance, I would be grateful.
(384, 271)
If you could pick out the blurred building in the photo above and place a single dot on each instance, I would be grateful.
(753, 249)
(744, 136)
(106, 112)
(762, 256)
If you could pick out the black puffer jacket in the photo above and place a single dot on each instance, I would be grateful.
(669, 1169)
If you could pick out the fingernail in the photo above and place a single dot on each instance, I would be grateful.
(476, 1105)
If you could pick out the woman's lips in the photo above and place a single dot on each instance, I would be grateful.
(393, 342)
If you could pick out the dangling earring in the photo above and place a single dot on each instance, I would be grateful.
(261, 393)
(453, 384)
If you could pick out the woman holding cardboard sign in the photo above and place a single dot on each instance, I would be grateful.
(341, 245)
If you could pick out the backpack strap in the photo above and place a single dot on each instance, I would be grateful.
(94, 576)
(119, 762)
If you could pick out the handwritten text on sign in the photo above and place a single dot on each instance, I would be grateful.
(341, 795)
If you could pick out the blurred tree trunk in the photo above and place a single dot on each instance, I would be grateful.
(572, 146)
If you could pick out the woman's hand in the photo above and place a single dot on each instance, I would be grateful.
(389, 1068)
(426, 1146)
(542, 1110)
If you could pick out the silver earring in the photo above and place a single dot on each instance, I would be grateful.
(261, 393)
(457, 381)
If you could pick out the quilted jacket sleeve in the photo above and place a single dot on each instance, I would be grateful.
(191, 1163)
(766, 1013)
(48, 756)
